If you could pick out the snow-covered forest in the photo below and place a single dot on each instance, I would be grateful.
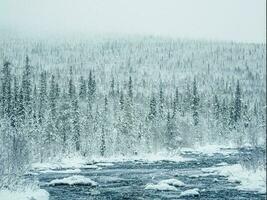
(106, 96)
(126, 96)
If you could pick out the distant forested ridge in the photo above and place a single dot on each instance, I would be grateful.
(127, 96)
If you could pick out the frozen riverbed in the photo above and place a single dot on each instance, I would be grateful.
(199, 176)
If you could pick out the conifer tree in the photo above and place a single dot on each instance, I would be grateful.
(237, 105)
(6, 90)
(195, 103)
(27, 87)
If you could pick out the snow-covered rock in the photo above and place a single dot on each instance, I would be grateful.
(25, 194)
(160, 186)
(168, 184)
(173, 182)
(73, 180)
(190, 193)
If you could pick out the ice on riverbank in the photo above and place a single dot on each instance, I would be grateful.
(250, 180)
(190, 193)
(25, 194)
(73, 180)
(80, 162)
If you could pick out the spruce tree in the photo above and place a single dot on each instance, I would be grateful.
(237, 105)
(195, 103)
(83, 88)
(27, 87)
(161, 102)
(42, 97)
(6, 90)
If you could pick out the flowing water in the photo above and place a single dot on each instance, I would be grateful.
(127, 180)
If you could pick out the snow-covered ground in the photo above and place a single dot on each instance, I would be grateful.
(25, 194)
(211, 149)
(251, 180)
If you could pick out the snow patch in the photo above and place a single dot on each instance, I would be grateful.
(250, 180)
(25, 194)
(191, 192)
(73, 180)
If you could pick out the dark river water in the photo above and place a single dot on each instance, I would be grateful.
(127, 180)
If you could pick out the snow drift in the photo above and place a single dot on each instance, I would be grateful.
(250, 180)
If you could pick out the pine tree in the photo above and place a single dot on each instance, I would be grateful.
(27, 87)
(176, 102)
(53, 98)
(102, 143)
(15, 103)
(121, 100)
(195, 103)
(161, 102)
(237, 105)
(83, 88)
(169, 131)
(42, 97)
(112, 87)
(130, 90)
(64, 121)
(153, 108)
(71, 86)
(6, 90)
(76, 125)
(91, 88)
(216, 105)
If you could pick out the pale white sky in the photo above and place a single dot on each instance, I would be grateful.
(238, 20)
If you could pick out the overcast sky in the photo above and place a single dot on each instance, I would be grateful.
(238, 20)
